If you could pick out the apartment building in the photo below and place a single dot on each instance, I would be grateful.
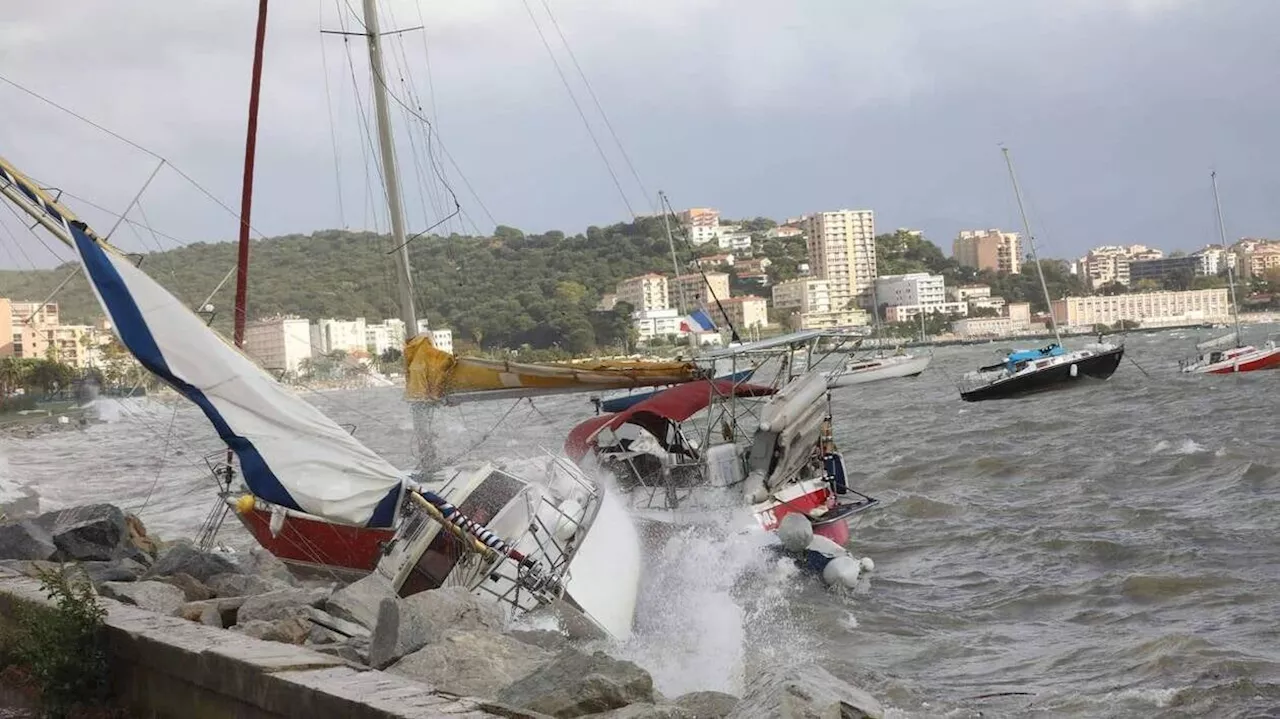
(1109, 264)
(916, 288)
(910, 313)
(746, 312)
(1214, 260)
(842, 250)
(441, 339)
(1258, 260)
(330, 335)
(702, 224)
(802, 295)
(1164, 268)
(691, 291)
(992, 249)
(1148, 308)
(644, 293)
(280, 343)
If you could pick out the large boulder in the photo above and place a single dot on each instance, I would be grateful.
(153, 596)
(291, 630)
(92, 532)
(707, 705)
(242, 585)
(647, 711)
(186, 559)
(222, 612)
(281, 604)
(406, 625)
(477, 662)
(192, 588)
(803, 692)
(342, 628)
(26, 540)
(119, 570)
(575, 684)
(359, 601)
(268, 566)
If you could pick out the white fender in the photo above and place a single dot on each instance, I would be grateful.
(1075, 371)
(867, 564)
(842, 572)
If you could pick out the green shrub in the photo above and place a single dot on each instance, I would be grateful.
(61, 648)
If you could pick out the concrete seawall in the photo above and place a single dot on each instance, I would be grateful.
(166, 667)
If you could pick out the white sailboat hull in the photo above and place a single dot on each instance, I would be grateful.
(878, 368)
(604, 576)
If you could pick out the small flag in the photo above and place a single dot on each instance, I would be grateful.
(699, 321)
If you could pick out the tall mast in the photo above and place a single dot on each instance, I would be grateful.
(246, 195)
(386, 146)
(1222, 240)
(1031, 242)
(663, 206)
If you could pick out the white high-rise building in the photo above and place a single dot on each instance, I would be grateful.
(279, 343)
(916, 288)
(644, 293)
(842, 250)
(330, 335)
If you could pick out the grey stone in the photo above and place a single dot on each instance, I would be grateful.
(549, 640)
(345, 652)
(406, 625)
(242, 585)
(576, 684)
(707, 705)
(193, 589)
(358, 602)
(290, 630)
(281, 604)
(477, 662)
(25, 504)
(186, 559)
(26, 540)
(647, 711)
(268, 566)
(92, 532)
(802, 692)
(119, 570)
(227, 610)
(344, 628)
(153, 596)
(324, 635)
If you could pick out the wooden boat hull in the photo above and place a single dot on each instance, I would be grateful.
(1058, 376)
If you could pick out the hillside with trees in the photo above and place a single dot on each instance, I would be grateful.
(508, 290)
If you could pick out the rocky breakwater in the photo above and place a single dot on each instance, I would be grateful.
(447, 641)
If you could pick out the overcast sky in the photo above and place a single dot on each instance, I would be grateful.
(1115, 110)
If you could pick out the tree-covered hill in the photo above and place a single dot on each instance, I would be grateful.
(507, 290)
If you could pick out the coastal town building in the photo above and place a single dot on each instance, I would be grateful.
(746, 312)
(331, 335)
(783, 232)
(7, 339)
(916, 288)
(702, 224)
(836, 319)
(842, 250)
(1163, 269)
(1214, 260)
(714, 261)
(644, 293)
(910, 313)
(441, 339)
(688, 292)
(281, 343)
(1109, 264)
(1148, 308)
(991, 249)
(1259, 259)
(657, 323)
(964, 293)
(980, 327)
(805, 303)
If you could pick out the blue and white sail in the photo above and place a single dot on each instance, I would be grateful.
(290, 453)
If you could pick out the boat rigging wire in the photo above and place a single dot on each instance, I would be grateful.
(581, 114)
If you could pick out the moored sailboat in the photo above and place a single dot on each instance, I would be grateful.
(1023, 372)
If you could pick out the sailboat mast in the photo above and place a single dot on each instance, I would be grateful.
(246, 192)
(1222, 240)
(1031, 242)
(671, 242)
(386, 147)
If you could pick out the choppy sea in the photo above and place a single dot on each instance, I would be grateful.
(1112, 550)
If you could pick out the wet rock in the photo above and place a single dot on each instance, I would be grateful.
(342, 651)
(193, 589)
(119, 570)
(152, 596)
(576, 684)
(406, 625)
(92, 532)
(292, 630)
(242, 585)
(477, 662)
(266, 565)
(324, 635)
(549, 640)
(226, 609)
(707, 705)
(21, 503)
(800, 692)
(359, 601)
(647, 711)
(30, 568)
(26, 540)
(281, 604)
(340, 627)
(186, 559)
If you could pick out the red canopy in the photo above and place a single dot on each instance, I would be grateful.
(674, 405)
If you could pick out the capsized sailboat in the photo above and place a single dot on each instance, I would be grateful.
(1023, 372)
(1227, 354)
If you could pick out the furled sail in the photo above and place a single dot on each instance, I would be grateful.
(435, 375)
(290, 453)
(1217, 343)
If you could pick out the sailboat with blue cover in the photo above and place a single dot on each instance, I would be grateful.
(1028, 371)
